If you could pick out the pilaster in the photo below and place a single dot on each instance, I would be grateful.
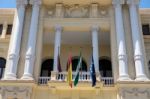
(94, 10)
(59, 10)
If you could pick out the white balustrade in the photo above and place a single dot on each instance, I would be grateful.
(108, 81)
(84, 76)
(43, 80)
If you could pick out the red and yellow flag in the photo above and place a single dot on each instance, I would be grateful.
(69, 76)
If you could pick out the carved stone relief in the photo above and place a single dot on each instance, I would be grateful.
(134, 93)
(15, 92)
(77, 11)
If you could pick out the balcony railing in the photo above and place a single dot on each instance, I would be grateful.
(83, 76)
(108, 81)
(43, 80)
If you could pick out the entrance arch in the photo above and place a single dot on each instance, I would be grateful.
(2, 66)
(47, 67)
(105, 67)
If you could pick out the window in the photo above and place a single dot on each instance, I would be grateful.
(1, 28)
(9, 29)
(105, 67)
(47, 67)
(146, 29)
(2, 66)
(149, 64)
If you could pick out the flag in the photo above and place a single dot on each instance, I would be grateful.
(92, 72)
(69, 76)
(78, 70)
(58, 63)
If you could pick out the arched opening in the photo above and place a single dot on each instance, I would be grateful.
(75, 61)
(105, 67)
(47, 67)
(149, 65)
(2, 66)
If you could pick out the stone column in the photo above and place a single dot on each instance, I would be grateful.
(4, 30)
(122, 55)
(137, 43)
(58, 30)
(30, 53)
(14, 47)
(95, 47)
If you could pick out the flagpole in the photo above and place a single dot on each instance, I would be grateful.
(81, 63)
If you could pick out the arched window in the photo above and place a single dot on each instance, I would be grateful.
(2, 66)
(47, 67)
(75, 61)
(105, 67)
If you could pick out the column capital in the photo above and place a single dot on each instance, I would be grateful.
(115, 2)
(95, 28)
(21, 3)
(58, 28)
(35, 2)
(133, 2)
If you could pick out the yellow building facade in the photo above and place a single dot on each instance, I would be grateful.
(115, 32)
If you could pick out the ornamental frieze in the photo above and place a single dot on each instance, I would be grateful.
(134, 93)
(77, 11)
(23, 92)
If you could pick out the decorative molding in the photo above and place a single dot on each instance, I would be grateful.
(77, 11)
(122, 57)
(13, 56)
(134, 91)
(138, 57)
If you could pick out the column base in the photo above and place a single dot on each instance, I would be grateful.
(141, 78)
(53, 75)
(27, 77)
(10, 76)
(98, 76)
(124, 78)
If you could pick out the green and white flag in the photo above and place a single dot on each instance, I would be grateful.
(78, 70)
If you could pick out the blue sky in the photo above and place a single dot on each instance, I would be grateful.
(11, 4)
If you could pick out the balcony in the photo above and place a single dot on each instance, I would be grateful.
(83, 77)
